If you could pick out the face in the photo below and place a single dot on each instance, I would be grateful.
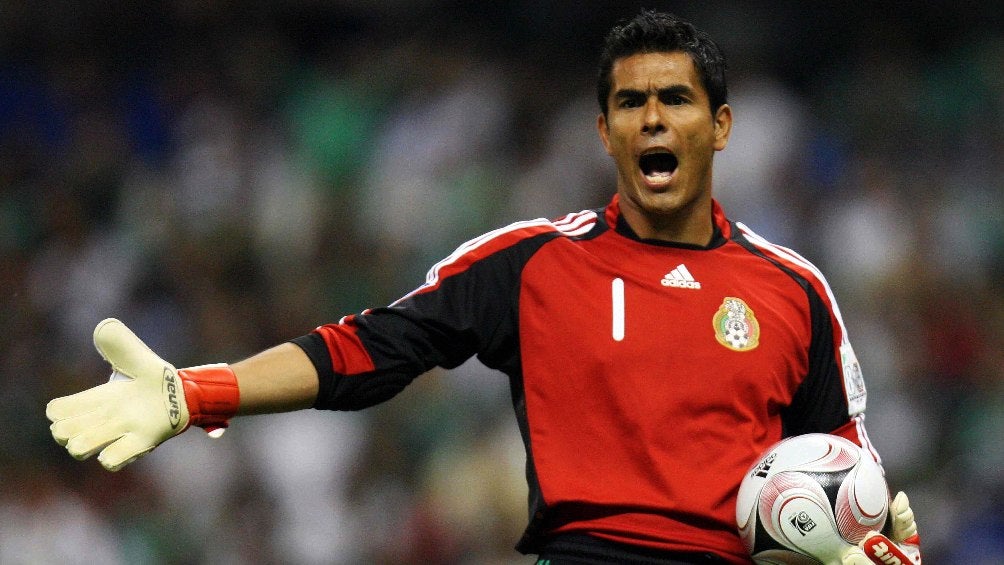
(662, 135)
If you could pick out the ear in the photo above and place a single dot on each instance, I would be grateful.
(723, 126)
(604, 131)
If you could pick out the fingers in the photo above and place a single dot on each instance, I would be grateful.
(124, 451)
(59, 409)
(855, 556)
(899, 502)
(65, 429)
(94, 399)
(82, 422)
(92, 439)
(126, 352)
(903, 523)
(94, 432)
(74, 414)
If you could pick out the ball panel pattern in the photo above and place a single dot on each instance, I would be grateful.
(838, 456)
(809, 497)
(800, 517)
(861, 506)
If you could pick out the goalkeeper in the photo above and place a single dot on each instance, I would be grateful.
(654, 347)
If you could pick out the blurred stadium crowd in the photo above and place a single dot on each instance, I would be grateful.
(224, 176)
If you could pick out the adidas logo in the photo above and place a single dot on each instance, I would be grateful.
(680, 277)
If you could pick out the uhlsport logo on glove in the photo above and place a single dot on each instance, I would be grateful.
(171, 397)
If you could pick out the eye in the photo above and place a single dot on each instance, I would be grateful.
(630, 102)
(674, 100)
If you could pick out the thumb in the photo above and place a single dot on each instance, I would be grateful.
(126, 352)
(901, 515)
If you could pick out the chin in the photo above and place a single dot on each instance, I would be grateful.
(672, 206)
(660, 202)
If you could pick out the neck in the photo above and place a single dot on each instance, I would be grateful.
(690, 225)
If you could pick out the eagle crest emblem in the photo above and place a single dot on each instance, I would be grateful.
(736, 326)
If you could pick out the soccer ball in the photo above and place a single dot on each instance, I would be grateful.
(808, 498)
(737, 333)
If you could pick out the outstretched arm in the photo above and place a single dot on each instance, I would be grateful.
(280, 379)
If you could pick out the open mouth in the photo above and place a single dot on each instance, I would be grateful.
(658, 165)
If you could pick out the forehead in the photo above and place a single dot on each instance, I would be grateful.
(651, 71)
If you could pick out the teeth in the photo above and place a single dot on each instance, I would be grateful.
(658, 176)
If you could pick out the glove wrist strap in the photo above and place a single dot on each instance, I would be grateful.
(211, 394)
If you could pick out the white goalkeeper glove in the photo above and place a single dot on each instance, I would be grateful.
(900, 547)
(145, 402)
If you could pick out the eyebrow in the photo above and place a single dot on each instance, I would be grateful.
(671, 90)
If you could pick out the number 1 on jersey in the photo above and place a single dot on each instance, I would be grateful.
(617, 302)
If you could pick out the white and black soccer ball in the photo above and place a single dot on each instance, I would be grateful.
(808, 498)
(737, 333)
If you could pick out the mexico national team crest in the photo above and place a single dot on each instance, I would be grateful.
(736, 326)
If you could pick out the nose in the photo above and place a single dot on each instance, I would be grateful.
(653, 121)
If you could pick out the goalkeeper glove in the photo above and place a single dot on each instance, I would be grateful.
(901, 547)
(145, 402)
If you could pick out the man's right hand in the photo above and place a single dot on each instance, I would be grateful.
(146, 402)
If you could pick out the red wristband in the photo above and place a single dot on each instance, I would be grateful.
(211, 394)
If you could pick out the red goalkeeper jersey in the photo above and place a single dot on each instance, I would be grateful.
(646, 376)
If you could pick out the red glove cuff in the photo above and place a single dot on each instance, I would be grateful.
(211, 394)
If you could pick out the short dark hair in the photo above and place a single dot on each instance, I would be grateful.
(659, 32)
